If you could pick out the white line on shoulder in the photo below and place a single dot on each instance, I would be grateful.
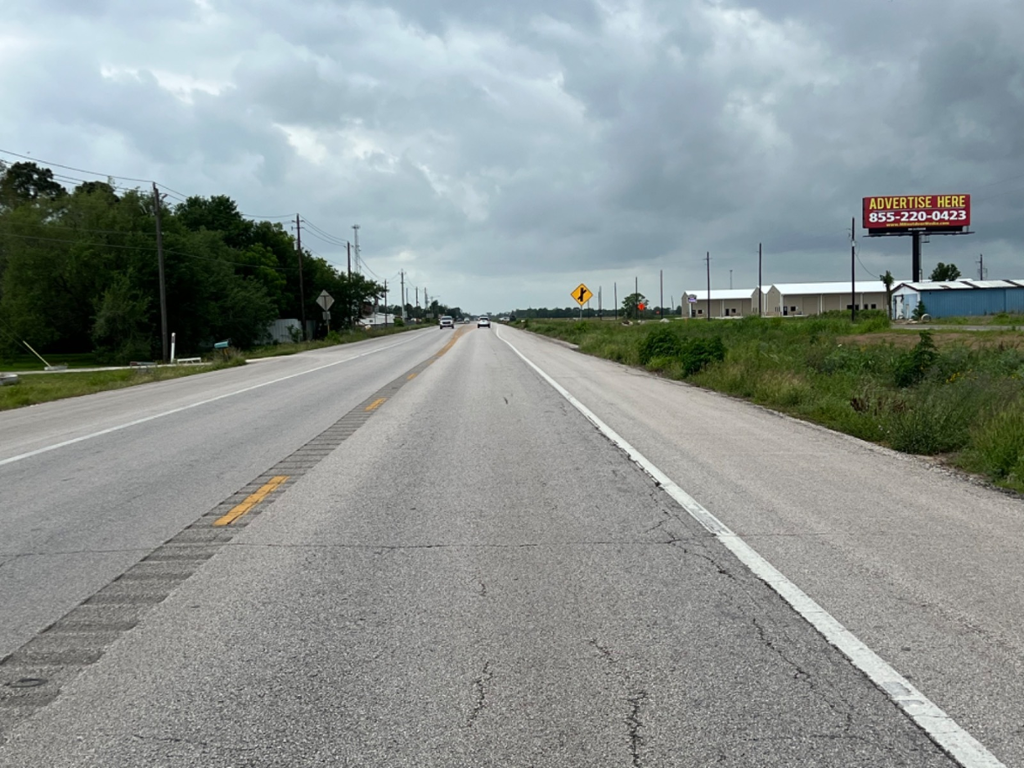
(943, 730)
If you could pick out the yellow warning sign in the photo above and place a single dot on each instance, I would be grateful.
(582, 294)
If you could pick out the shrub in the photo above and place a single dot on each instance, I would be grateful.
(697, 354)
(399, 322)
(912, 366)
(934, 420)
(661, 342)
(999, 444)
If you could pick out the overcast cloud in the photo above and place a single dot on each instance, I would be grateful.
(501, 153)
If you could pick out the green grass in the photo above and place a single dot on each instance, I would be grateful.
(961, 398)
(27, 362)
(32, 389)
(1014, 319)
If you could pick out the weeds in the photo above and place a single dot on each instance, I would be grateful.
(963, 400)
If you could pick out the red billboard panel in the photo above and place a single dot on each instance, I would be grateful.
(917, 212)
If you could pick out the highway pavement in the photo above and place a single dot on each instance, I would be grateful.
(418, 552)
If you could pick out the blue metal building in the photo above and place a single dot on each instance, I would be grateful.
(959, 298)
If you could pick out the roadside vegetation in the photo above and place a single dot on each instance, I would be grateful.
(955, 395)
(79, 274)
(33, 389)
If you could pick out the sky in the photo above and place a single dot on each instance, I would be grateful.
(498, 154)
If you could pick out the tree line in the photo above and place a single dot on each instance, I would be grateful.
(79, 271)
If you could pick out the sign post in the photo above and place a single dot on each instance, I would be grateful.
(325, 300)
(582, 295)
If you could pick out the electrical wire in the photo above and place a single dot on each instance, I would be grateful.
(71, 168)
(149, 249)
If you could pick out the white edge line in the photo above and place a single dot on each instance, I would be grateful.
(943, 730)
(136, 422)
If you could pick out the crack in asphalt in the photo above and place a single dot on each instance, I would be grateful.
(635, 724)
(480, 685)
(60, 553)
(842, 709)
(718, 567)
(635, 698)
(193, 742)
(399, 547)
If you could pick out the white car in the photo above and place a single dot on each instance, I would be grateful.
(483, 322)
(447, 322)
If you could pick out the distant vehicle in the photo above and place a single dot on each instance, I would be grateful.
(483, 322)
(447, 322)
(504, 319)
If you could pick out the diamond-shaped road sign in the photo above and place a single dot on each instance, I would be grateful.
(582, 294)
(325, 300)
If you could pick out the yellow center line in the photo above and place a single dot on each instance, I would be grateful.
(410, 377)
(251, 501)
(376, 404)
(451, 343)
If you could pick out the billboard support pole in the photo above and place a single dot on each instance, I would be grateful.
(708, 258)
(915, 264)
(760, 310)
(853, 270)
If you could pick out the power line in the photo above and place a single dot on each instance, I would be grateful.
(145, 248)
(71, 168)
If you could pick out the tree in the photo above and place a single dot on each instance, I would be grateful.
(631, 305)
(26, 182)
(945, 273)
(888, 280)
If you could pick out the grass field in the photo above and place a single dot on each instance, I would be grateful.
(34, 388)
(954, 394)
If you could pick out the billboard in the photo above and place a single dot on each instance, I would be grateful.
(916, 213)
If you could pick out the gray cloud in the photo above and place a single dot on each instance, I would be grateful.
(495, 151)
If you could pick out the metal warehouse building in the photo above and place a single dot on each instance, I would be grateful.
(958, 298)
(796, 299)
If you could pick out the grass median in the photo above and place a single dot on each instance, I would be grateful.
(35, 388)
(956, 395)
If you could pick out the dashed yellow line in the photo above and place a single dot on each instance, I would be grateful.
(451, 343)
(410, 377)
(376, 404)
(251, 501)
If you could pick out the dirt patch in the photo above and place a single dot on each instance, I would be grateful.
(951, 338)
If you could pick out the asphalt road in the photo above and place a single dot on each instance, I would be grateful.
(455, 568)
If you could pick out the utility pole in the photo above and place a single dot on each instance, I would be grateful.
(981, 266)
(302, 291)
(351, 296)
(636, 298)
(355, 228)
(760, 293)
(402, 273)
(385, 303)
(661, 289)
(160, 267)
(708, 259)
(730, 279)
(615, 298)
(599, 303)
(417, 297)
(853, 270)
